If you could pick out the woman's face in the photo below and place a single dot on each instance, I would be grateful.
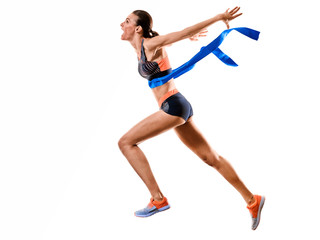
(128, 27)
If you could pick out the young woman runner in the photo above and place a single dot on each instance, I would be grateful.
(175, 111)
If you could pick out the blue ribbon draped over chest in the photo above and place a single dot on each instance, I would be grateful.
(212, 47)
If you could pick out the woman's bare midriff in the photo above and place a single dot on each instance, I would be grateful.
(158, 92)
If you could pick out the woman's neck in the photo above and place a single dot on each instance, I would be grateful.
(136, 42)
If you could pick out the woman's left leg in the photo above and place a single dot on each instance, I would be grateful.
(194, 140)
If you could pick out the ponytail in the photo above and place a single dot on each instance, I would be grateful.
(153, 33)
(145, 21)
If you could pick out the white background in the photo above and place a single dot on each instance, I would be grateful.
(69, 89)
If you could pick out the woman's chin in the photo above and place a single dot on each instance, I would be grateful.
(123, 37)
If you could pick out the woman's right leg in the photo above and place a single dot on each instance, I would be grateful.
(194, 140)
(153, 125)
(191, 136)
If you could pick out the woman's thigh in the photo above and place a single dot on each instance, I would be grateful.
(191, 136)
(151, 126)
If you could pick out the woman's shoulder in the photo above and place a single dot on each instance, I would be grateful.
(149, 43)
(154, 54)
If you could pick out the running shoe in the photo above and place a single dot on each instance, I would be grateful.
(153, 208)
(255, 210)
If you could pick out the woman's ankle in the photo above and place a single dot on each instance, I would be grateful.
(251, 200)
(158, 197)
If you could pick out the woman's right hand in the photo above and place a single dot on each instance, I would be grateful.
(228, 16)
(203, 33)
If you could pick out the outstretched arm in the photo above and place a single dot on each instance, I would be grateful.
(161, 41)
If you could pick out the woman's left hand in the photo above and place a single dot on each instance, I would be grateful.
(228, 16)
(200, 34)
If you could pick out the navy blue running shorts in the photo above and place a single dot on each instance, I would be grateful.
(177, 105)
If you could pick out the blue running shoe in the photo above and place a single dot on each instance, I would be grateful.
(153, 208)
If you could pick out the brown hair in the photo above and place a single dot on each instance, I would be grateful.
(145, 21)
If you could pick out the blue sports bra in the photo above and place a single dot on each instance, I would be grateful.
(152, 70)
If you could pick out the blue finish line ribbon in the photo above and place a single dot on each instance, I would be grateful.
(205, 51)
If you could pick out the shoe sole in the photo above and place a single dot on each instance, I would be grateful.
(153, 212)
(259, 212)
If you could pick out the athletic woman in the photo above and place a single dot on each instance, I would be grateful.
(175, 111)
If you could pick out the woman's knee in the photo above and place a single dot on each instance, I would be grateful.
(212, 159)
(124, 143)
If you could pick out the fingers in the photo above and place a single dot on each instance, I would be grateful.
(233, 11)
(203, 33)
(235, 16)
(200, 34)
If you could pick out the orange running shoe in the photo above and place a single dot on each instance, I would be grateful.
(255, 210)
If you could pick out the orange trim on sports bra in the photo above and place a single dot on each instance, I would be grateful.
(164, 64)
